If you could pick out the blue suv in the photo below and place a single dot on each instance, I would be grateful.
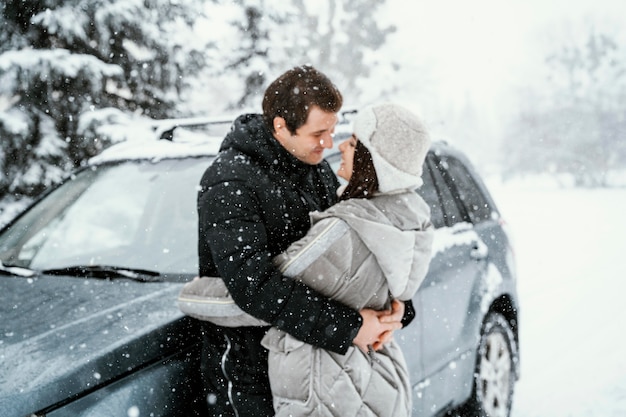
(90, 273)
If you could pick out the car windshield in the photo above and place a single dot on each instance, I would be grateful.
(133, 214)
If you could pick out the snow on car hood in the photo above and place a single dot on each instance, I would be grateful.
(61, 336)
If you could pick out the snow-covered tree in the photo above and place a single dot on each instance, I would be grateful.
(60, 59)
(70, 67)
(342, 38)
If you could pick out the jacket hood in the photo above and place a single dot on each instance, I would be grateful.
(396, 228)
(250, 136)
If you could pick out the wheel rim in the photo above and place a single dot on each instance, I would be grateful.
(494, 385)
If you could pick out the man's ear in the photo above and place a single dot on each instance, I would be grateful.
(279, 123)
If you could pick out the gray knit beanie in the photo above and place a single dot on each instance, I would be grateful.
(398, 142)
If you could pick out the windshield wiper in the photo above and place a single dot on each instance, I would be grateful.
(106, 272)
(17, 271)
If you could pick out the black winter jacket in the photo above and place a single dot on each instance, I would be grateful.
(254, 201)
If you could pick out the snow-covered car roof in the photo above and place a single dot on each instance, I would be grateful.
(168, 139)
(177, 138)
(157, 149)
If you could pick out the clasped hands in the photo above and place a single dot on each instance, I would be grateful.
(378, 326)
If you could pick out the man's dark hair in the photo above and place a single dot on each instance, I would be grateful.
(364, 181)
(292, 95)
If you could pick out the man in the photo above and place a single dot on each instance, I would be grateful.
(254, 201)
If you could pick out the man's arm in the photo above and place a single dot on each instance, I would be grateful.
(234, 230)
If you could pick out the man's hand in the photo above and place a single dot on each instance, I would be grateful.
(378, 326)
(394, 316)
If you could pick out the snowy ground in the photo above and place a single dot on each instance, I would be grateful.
(572, 283)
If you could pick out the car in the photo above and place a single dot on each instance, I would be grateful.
(92, 269)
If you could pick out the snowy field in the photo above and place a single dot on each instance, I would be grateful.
(570, 247)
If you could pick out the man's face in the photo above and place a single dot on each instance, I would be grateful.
(310, 140)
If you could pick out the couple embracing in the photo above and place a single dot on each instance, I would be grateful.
(322, 274)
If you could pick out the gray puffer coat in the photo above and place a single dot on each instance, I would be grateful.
(363, 253)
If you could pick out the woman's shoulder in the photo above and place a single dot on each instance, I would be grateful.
(322, 236)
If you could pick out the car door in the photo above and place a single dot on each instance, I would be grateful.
(446, 295)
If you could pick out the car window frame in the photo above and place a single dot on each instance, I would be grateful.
(429, 187)
(459, 180)
(453, 210)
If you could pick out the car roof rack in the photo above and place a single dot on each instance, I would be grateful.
(347, 115)
(164, 129)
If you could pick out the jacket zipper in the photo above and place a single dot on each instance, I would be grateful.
(230, 383)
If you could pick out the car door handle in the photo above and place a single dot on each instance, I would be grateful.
(479, 251)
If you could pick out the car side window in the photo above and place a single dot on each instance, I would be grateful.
(429, 193)
(451, 212)
(468, 192)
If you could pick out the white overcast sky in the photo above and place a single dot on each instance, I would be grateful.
(485, 51)
(482, 48)
(488, 45)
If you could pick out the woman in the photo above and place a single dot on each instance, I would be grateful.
(371, 248)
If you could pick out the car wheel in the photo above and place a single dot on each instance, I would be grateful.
(495, 374)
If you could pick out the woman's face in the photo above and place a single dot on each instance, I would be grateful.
(347, 158)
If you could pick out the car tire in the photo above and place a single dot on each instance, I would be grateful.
(495, 374)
